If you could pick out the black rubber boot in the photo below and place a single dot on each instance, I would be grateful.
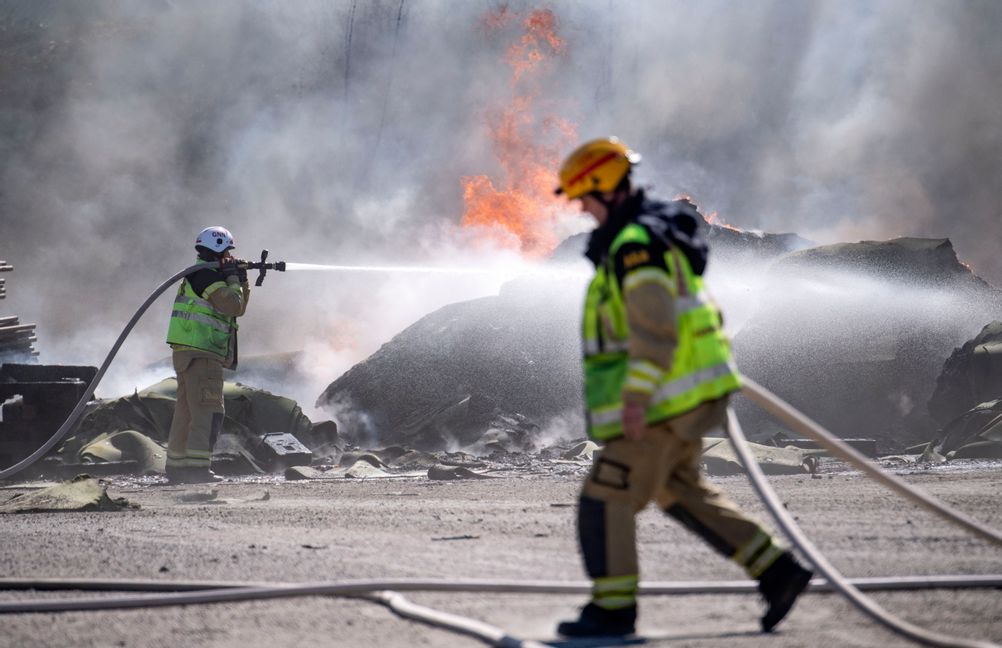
(188, 475)
(599, 622)
(780, 585)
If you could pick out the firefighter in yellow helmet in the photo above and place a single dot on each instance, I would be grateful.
(658, 375)
(203, 335)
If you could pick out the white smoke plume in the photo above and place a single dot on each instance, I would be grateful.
(338, 132)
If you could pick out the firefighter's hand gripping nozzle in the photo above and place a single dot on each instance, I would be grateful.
(263, 267)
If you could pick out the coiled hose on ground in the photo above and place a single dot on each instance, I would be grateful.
(215, 592)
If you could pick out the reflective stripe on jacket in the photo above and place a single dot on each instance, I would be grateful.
(196, 324)
(702, 368)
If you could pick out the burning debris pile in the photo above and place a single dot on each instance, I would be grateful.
(488, 371)
(16, 339)
(852, 334)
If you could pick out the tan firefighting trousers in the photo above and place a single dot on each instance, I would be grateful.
(663, 466)
(198, 413)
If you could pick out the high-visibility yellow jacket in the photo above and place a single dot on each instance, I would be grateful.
(204, 318)
(701, 367)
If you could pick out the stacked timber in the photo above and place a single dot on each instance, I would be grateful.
(4, 267)
(16, 339)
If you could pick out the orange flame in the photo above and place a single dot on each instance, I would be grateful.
(527, 54)
(521, 202)
(714, 219)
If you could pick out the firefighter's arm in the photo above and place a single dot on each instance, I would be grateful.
(650, 311)
(229, 297)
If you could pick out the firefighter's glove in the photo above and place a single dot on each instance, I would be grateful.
(634, 425)
(229, 268)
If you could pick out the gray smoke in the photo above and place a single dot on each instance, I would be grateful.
(337, 132)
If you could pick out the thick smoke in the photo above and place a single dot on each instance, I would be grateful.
(337, 132)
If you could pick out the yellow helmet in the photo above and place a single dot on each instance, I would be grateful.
(598, 165)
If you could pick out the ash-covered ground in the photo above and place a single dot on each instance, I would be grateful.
(519, 526)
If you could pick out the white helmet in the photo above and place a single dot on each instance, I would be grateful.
(218, 239)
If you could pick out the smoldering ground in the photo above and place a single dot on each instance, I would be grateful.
(338, 132)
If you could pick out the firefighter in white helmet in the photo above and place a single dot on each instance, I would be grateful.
(658, 375)
(203, 336)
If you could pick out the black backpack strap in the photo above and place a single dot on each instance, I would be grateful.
(678, 224)
(203, 279)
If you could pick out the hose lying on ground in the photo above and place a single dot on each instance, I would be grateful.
(478, 629)
(190, 592)
(74, 416)
(865, 604)
(201, 592)
(797, 421)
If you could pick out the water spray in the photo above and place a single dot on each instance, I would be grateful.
(531, 271)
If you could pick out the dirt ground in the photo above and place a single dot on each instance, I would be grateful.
(518, 527)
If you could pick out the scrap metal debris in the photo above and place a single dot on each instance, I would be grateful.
(719, 459)
(82, 493)
(148, 456)
(36, 399)
(970, 376)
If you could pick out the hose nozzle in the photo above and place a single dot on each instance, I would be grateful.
(263, 266)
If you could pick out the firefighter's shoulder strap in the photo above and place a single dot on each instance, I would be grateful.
(678, 224)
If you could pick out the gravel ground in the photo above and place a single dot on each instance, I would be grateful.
(516, 527)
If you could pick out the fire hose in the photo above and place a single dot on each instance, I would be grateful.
(847, 587)
(387, 592)
(775, 506)
(262, 266)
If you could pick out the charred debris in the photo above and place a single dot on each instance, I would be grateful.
(855, 335)
(493, 384)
